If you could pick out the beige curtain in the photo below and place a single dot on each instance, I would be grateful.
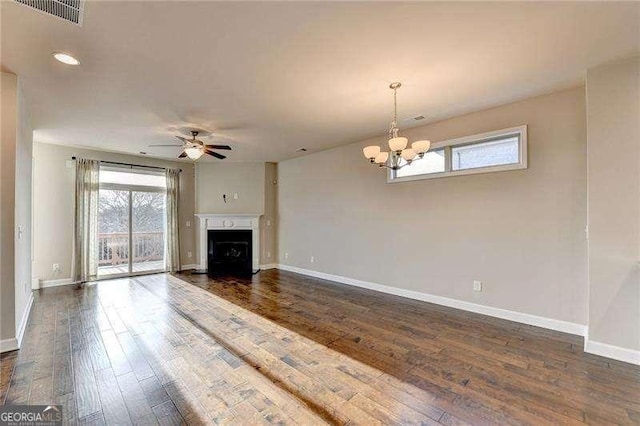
(173, 238)
(85, 241)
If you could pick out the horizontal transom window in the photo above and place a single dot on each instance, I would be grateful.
(483, 153)
(121, 176)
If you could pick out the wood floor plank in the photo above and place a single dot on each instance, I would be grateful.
(42, 391)
(69, 411)
(7, 365)
(114, 408)
(167, 414)
(86, 390)
(154, 391)
(118, 359)
(135, 400)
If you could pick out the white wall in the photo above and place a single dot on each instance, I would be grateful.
(613, 117)
(15, 212)
(53, 205)
(521, 232)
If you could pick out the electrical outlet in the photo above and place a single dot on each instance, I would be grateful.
(57, 268)
(313, 259)
(188, 224)
(286, 255)
(268, 254)
(235, 195)
(189, 254)
(268, 222)
(477, 286)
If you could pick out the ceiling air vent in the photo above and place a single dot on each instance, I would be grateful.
(69, 10)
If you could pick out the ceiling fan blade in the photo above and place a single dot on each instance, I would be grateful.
(182, 139)
(215, 154)
(174, 145)
(182, 155)
(227, 147)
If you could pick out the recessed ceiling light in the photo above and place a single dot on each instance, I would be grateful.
(66, 59)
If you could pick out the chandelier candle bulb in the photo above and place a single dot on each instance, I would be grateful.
(370, 152)
(382, 158)
(421, 147)
(398, 143)
(408, 154)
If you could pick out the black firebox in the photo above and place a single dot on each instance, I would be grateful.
(229, 252)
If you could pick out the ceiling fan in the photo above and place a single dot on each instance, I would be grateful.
(195, 148)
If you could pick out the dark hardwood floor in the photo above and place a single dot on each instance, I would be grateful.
(285, 348)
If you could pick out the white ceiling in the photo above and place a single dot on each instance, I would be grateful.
(278, 76)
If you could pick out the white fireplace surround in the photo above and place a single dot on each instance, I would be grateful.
(229, 222)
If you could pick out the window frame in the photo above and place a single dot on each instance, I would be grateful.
(520, 131)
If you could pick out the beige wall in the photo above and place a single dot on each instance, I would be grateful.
(522, 233)
(269, 222)
(255, 195)
(15, 210)
(53, 205)
(213, 180)
(8, 117)
(24, 173)
(613, 117)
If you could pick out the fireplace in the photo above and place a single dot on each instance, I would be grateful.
(229, 252)
(208, 222)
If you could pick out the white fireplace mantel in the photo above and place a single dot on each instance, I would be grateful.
(229, 221)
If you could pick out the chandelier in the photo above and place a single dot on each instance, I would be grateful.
(397, 144)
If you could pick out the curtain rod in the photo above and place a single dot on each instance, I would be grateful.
(129, 164)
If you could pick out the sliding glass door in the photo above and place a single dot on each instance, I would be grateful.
(148, 231)
(131, 222)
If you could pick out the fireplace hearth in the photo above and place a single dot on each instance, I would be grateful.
(229, 252)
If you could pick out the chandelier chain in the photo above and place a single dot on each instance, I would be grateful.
(395, 105)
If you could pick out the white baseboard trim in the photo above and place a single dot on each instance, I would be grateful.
(549, 323)
(268, 266)
(24, 321)
(189, 267)
(56, 283)
(7, 345)
(610, 351)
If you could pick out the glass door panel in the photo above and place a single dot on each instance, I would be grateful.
(148, 231)
(113, 232)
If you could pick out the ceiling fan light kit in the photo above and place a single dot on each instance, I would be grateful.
(397, 144)
(194, 152)
(194, 148)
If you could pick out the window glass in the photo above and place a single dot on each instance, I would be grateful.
(432, 162)
(132, 178)
(485, 154)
